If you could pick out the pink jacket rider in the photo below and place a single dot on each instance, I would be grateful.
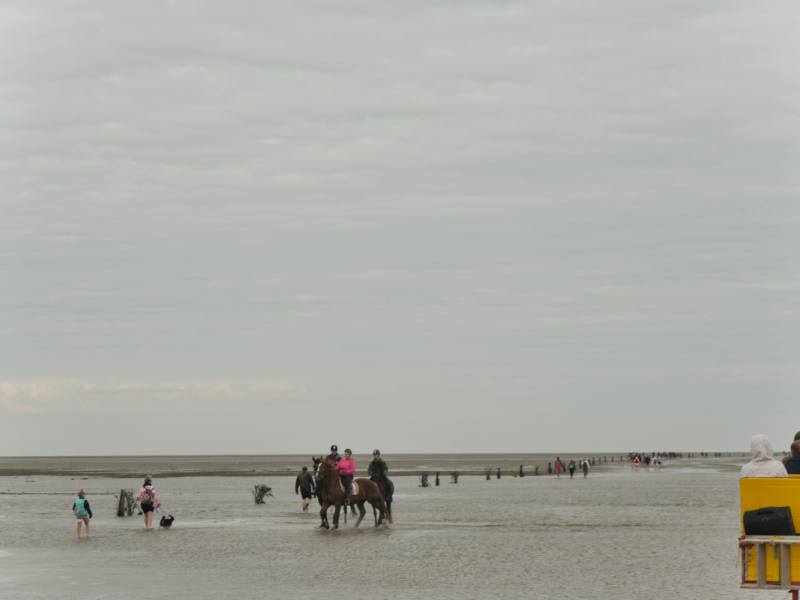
(346, 466)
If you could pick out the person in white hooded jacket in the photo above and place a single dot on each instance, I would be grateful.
(763, 465)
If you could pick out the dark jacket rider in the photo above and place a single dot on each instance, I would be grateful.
(378, 472)
(334, 455)
(377, 468)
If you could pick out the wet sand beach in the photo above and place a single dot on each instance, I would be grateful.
(618, 534)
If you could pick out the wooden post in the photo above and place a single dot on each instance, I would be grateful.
(130, 502)
(536, 470)
(121, 504)
(549, 468)
(786, 566)
(498, 473)
(761, 565)
(522, 473)
(437, 478)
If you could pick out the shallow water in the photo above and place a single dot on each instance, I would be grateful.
(615, 535)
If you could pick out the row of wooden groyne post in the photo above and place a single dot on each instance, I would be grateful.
(423, 479)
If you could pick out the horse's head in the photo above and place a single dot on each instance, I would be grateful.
(325, 468)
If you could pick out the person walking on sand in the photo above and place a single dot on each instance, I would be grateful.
(148, 501)
(585, 465)
(571, 467)
(83, 512)
(305, 483)
(559, 467)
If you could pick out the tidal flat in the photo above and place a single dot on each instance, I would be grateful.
(618, 534)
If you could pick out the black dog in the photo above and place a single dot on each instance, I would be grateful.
(166, 521)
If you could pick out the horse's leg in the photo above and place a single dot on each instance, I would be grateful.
(336, 507)
(380, 511)
(383, 512)
(381, 489)
(323, 514)
(374, 513)
(387, 498)
(363, 512)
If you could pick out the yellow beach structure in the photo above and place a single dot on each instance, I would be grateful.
(770, 562)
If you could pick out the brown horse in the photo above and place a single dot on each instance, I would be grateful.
(320, 492)
(333, 495)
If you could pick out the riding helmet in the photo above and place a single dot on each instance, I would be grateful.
(376, 451)
(334, 448)
(348, 450)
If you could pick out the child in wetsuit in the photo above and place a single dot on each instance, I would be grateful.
(82, 512)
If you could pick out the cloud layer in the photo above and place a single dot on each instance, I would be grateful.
(479, 212)
(118, 397)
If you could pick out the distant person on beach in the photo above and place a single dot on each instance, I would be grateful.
(83, 512)
(793, 464)
(334, 456)
(789, 456)
(304, 483)
(148, 501)
(571, 467)
(763, 465)
(559, 467)
(585, 466)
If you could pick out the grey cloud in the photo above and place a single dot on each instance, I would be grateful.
(513, 211)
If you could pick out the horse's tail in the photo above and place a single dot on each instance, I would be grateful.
(390, 489)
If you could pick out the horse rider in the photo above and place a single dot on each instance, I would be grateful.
(346, 468)
(377, 471)
(334, 456)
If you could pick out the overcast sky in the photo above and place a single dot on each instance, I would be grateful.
(266, 227)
